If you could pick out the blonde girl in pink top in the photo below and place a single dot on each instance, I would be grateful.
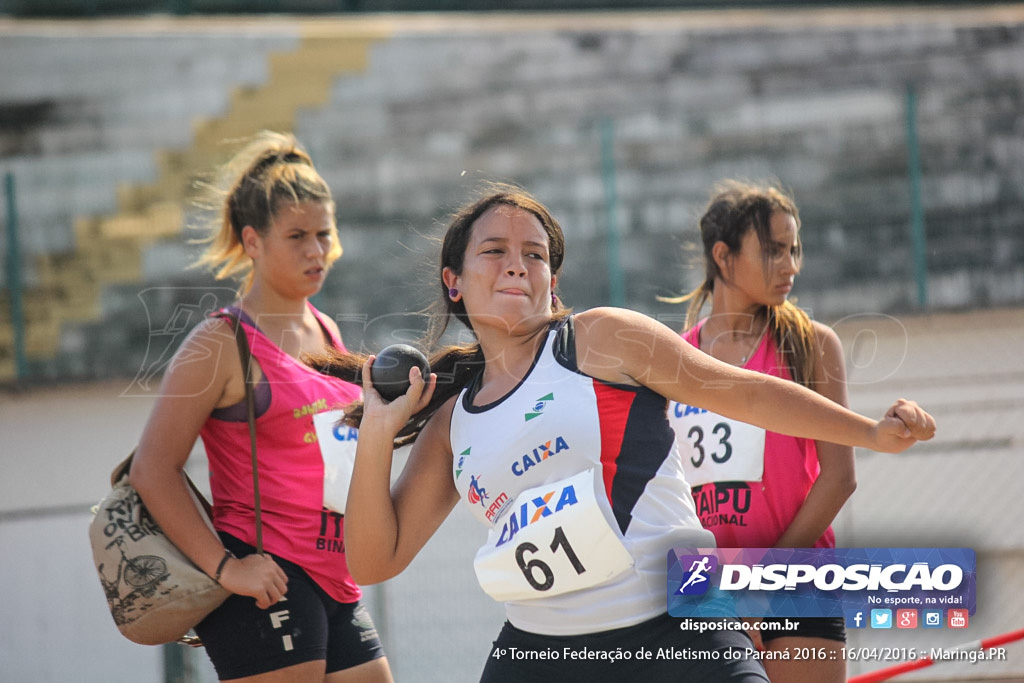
(753, 488)
(294, 613)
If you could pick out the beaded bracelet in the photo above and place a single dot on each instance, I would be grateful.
(223, 561)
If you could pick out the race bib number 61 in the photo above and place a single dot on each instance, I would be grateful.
(552, 539)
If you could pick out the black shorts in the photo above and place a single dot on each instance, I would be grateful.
(829, 628)
(653, 651)
(307, 625)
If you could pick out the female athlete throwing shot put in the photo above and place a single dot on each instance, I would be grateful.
(552, 429)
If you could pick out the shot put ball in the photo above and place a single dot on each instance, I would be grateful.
(390, 370)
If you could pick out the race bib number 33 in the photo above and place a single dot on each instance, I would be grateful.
(552, 539)
(716, 448)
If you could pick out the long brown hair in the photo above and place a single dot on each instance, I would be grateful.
(736, 207)
(455, 365)
(270, 171)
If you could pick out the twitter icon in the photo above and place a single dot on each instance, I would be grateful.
(881, 618)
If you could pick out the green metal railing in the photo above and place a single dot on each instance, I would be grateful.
(917, 233)
(14, 279)
(616, 276)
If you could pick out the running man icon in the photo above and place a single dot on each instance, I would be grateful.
(698, 574)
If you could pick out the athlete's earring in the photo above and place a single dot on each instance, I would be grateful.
(554, 299)
(452, 293)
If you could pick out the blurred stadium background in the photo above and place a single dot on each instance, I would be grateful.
(899, 127)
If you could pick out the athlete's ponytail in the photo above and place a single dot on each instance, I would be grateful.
(272, 170)
(791, 330)
(454, 366)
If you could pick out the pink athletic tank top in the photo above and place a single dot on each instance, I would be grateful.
(296, 526)
(754, 514)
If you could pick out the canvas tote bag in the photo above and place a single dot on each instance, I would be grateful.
(154, 592)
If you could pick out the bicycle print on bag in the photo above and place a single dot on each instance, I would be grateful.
(138, 577)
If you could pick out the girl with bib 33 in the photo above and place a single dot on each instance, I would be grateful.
(755, 488)
(552, 429)
(295, 613)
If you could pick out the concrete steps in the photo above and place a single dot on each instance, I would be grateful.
(109, 248)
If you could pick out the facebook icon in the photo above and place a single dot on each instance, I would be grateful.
(855, 618)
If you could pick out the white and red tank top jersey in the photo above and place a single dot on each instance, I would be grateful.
(745, 511)
(558, 422)
(296, 526)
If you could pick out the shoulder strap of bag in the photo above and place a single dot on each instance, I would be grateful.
(125, 465)
(245, 353)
